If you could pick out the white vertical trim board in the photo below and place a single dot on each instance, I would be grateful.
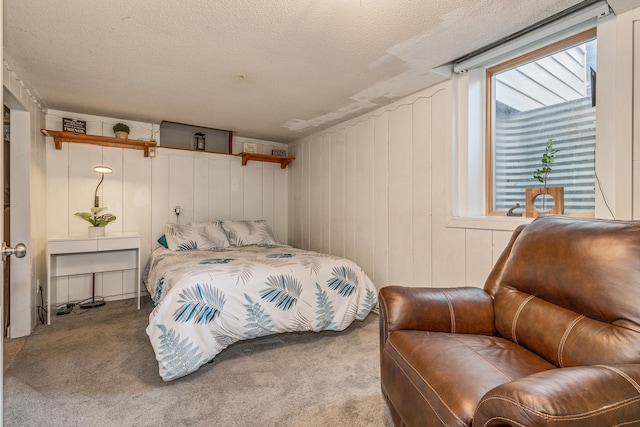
(350, 193)
(401, 195)
(381, 200)
(326, 192)
(338, 224)
(364, 195)
(315, 196)
(421, 183)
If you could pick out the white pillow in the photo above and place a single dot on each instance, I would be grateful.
(243, 233)
(213, 234)
(197, 235)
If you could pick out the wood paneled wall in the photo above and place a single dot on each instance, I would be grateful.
(143, 193)
(377, 190)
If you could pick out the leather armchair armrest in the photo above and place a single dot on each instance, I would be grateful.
(465, 310)
(585, 396)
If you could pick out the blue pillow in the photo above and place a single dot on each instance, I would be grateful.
(163, 241)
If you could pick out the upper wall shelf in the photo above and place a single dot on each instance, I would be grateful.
(284, 161)
(59, 137)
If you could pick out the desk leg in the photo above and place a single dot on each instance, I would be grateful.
(139, 277)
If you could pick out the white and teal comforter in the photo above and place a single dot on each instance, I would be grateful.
(205, 300)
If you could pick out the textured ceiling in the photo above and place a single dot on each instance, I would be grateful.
(274, 70)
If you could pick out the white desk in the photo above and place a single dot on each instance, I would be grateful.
(69, 255)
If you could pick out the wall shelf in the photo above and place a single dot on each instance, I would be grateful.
(59, 137)
(283, 160)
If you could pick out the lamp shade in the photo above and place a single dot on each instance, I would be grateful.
(102, 169)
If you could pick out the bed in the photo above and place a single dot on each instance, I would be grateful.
(222, 282)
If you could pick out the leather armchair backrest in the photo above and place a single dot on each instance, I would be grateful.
(569, 290)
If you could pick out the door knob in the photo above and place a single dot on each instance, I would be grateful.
(19, 251)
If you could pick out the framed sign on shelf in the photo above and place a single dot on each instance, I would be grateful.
(74, 125)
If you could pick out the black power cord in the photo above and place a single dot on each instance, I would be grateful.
(42, 312)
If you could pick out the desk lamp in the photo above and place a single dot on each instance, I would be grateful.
(101, 170)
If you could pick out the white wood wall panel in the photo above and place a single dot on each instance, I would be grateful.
(479, 256)
(326, 192)
(237, 187)
(219, 185)
(364, 196)
(161, 212)
(315, 196)
(57, 190)
(350, 193)
(306, 196)
(143, 192)
(268, 195)
(400, 195)
(201, 189)
(181, 187)
(448, 253)
(337, 193)
(295, 201)
(421, 208)
(280, 214)
(253, 191)
(381, 200)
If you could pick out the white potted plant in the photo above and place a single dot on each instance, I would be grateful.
(97, 220)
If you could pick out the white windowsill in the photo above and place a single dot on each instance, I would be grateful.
(502, 223)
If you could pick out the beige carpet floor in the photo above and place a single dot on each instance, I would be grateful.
(96, 368)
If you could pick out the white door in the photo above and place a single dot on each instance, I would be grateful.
(1, 229)
(636, 118)
(1, 275)
(5, 251)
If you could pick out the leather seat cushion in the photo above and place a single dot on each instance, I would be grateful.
(439, 378)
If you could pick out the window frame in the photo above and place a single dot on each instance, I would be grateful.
(550, 49)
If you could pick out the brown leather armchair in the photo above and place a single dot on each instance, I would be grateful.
(553, 339)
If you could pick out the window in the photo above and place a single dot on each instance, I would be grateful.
(541, 96)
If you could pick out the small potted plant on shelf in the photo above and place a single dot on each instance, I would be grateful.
(97, 219)
(121, 130)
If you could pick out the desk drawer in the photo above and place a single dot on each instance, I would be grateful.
(93, 262)
(117, 244)
(72, 246)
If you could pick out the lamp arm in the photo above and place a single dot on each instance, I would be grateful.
(96, 200)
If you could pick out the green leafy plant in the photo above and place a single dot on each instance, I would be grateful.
(96, 218)
(120, 127)
(548, 162)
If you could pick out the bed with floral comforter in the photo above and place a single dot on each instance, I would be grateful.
(205, 300)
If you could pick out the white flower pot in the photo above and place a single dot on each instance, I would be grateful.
(122, 135)
(96, 231)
